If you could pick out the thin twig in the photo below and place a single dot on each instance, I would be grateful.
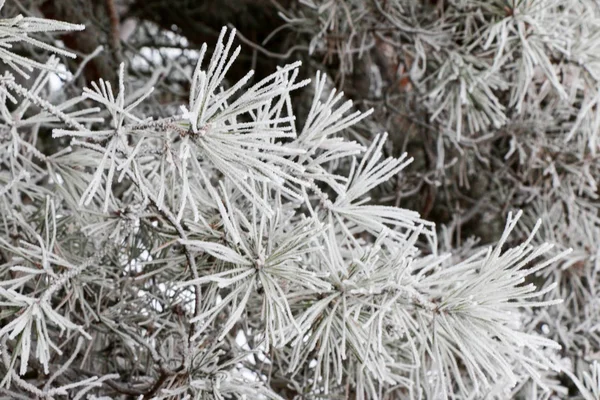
(266, 52)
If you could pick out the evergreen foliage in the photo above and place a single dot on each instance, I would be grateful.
(226, 236)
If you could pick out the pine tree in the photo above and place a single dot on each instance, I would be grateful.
(182, 230)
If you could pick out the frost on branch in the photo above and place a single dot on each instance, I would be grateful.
(228, 250)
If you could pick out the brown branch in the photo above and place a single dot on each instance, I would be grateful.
(113, 17)
(95, 18)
